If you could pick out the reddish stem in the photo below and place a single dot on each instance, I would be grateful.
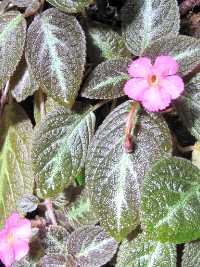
(50, 211)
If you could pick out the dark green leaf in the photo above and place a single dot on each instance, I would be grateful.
(12, 39)
(107, 42)
(145, 21)
(142, 252)
(60, 147)
(114, 177)
(91, 246)
(171, 201)
(15, 159)
(69, 6)
(191, 255)
(184, 49)
(106, 80)
(188, 106)
(56, 53)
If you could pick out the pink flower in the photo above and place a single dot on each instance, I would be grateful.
(154, 85)
(14, 239)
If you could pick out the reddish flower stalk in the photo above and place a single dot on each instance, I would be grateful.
(50, 211)
(188, 5)
(128, 141)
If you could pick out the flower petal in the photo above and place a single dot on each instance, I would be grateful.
(135, 88)
(173, 85)
(21, 249)
(3, 239)
(12, 220)
(22, 230)
(140, 67)
(166, 65)
(7, 255)
(155, 100)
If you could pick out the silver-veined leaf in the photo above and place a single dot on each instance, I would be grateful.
(12, 39)
(191, 254)
(56, 54)
(15, 159)
(170, 208)
(91, 246)
(145, 21)
(142, 252)
(70, 6)
(60, 146)
(114, 177)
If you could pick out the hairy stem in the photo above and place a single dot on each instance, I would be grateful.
(4, 98)
(50, 211)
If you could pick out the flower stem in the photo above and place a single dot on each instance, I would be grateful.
(50, 211)
(130, 123)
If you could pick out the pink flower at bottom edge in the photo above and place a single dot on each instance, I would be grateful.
(14, 239)
(155, 86)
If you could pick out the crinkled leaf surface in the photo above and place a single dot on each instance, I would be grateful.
(188, 106)
(60, 146)
(70, 6)
(91, 246)
(12, 39)
(56, 53)
(80, 211)
(28, 203)
(22, 84)
(106, 80)
(145, 21)
(171, 201)
(108, 43)
(191, 254)
(15, 159)
(184, 49)
(143, 252)
(54, 260)
(114, 177)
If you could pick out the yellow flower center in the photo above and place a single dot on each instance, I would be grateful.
(153, 80)
(10, 238)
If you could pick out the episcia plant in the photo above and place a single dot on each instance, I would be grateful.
(92, 115)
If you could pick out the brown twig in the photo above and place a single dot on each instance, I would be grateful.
(128, 142)
(188, 5)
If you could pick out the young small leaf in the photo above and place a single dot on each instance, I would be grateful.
(145, 21)
(56, 53)
(191, 254)
(15, 159)
(22, 84)
(70, 6)
(114, 177)
(106, 80)
(91, 246)
(107, 42)
(184, 49)
(12, 39)
(188, 106)
(28, 203)
(171, 200)
(60, 147)
(143, 252)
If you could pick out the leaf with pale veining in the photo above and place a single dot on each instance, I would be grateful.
(91, 246)
(114, 177)
(191, 254)
(12, 39)
(56, 54)
(70, 6)
(142, 252)
(145, 21)
(15, 159)
(60, 146)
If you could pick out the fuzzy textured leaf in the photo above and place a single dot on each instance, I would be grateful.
(145, 21)
(91, 246)
(15, 159)
(184, 49)
(54, 260)
(70, 6)
(143, 252)
(28, 203)
(191, 255)
(107, 42)
(60, 146)
(188, 106)
(106, 80)
(171, 200)
(12, 40)
(114, 177)
(56, 53)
